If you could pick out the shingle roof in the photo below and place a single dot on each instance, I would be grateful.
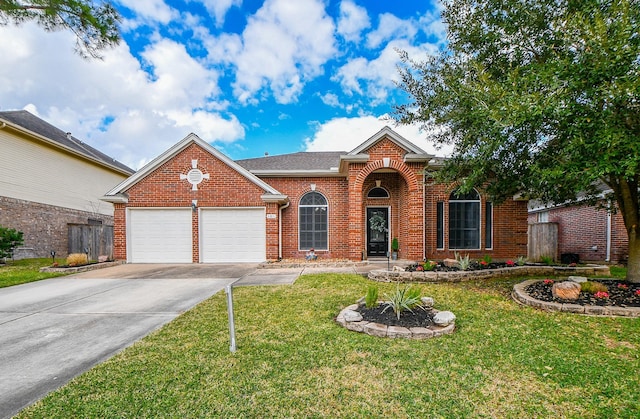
(34, 124)
(308, 160)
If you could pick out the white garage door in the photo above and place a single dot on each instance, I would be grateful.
(160, 236)
(232, 235)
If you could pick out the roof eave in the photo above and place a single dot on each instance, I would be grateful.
(116, 199)
(297, 173)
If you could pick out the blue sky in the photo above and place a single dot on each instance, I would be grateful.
(249, 76)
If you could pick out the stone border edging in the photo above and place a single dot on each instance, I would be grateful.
(83, 268)
(382, 330)
(520, 295)
(458, 276)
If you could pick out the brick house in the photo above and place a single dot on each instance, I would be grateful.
(194, 204)
(593, 234)
(48, 180)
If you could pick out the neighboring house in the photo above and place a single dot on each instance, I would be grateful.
(48, 180)
(194, 204)
(591, 233)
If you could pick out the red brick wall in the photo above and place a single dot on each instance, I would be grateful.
(509, 227)
(347, 199)
(581, 228)
(164, 188)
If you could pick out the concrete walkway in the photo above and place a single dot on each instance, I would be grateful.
(55, 329)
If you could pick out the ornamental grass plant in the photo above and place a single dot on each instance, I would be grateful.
(504, 360)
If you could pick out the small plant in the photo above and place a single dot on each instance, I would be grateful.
(510, 263)
(10, 238)
(601, 294)
(371, 299)
(637, 292)
(429, 265)
(394, 244)
(463, 261)
(548, 281)
(547, 260)
(77, 259)
(623, 286)
(591, 287)
(521, 260)
(402, 300)
(487, 259)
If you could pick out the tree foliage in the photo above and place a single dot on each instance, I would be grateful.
(95, 24)
(9, 240)
(538, 97)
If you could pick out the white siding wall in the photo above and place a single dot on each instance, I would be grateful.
(34, 172)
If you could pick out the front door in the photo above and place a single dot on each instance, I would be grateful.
(377, 231)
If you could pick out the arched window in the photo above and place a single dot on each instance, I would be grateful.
(378, 192)
(313, 226)
(464, 220)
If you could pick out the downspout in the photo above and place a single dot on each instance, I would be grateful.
(282, 207)
(424, 208)
(608, 259)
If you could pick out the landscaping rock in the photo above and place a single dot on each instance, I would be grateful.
(578, 279)
(352, 316)
(451, 263)
(427, 301)
(566, 290)
(444, 318)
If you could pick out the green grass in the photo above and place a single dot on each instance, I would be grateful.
(23, 271)
(504, 360)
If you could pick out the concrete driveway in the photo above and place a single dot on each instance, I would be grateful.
(55, 329)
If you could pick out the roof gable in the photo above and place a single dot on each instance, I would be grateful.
(398, 139)
(117, 193)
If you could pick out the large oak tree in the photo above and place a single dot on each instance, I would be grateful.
(538, 97)
(94, 23)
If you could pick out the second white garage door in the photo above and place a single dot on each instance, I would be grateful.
(232, 235)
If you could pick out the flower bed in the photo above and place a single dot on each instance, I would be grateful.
(504, 272)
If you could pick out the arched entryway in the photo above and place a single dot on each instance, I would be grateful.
(389, 205)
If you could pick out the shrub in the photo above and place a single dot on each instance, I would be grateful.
(593, 287)
(429, 265)
(77, 259)
(521, 260)
(402, 300)
(547, 260)
(10, 238)
(371, 299)
(487, 259)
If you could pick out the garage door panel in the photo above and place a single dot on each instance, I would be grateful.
(160, 236)
(233, 235)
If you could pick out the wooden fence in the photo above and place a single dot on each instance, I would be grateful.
(97, 240)
(543, 241)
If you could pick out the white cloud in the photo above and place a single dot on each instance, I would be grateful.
(219, 8)
(375, 78)
(147, 11)
(345, 134)
(285, 44)
(331, 99)
(113, 104)
(352, 21)
(391, 27)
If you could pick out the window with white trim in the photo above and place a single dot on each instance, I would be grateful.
(464, 220)
(313, 222)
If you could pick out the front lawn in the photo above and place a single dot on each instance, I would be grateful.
(504, 360)
(22, 271)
